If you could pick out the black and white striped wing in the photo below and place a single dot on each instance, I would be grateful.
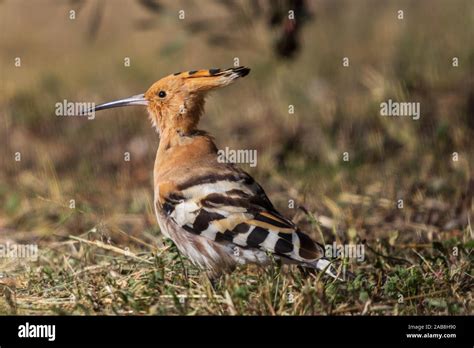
(234, 208)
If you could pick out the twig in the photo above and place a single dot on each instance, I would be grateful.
(424, 260)
(386, 256)
(102, 245)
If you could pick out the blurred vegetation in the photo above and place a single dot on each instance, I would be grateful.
(300, 155)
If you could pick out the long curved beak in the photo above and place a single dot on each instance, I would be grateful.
(138, 99)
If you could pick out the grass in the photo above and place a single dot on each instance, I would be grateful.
(91, 213)
(91, 274)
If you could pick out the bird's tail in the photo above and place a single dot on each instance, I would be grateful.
(330, 268)
(312, 256)
(327, 267)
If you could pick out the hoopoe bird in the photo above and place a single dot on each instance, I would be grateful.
(216, 214)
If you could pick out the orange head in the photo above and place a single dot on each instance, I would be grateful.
(176, 101)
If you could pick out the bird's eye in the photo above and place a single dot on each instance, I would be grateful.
(162, 94)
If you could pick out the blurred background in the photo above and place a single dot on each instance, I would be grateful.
(300, 155)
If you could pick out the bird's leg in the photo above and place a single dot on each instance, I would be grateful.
(185, 270)
(214, 283)
(306, 271)
(214, 280)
